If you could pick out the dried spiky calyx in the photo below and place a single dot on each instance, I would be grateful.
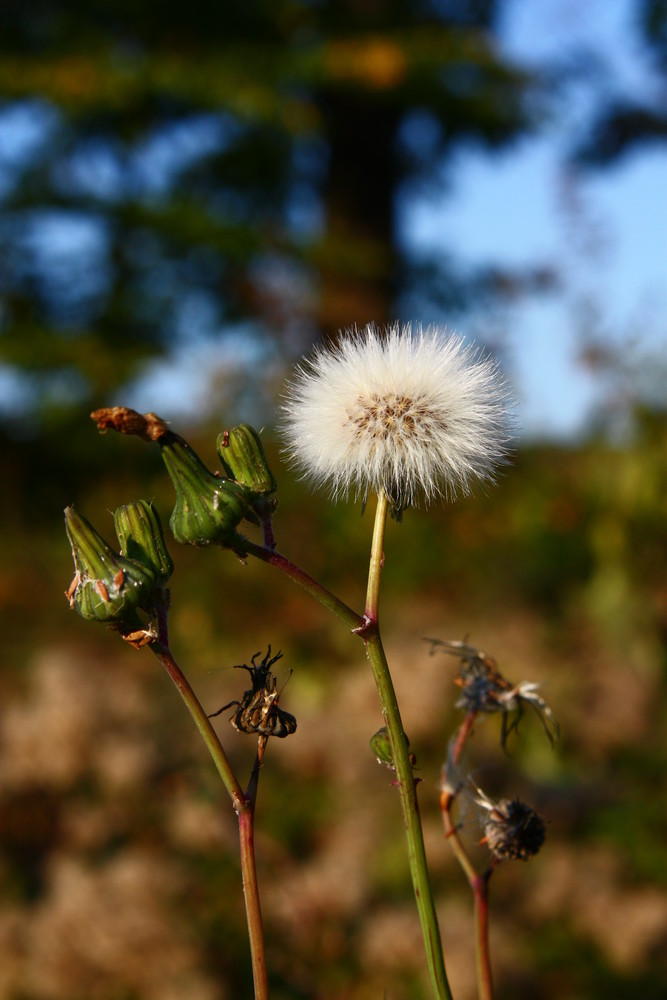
(258, 712)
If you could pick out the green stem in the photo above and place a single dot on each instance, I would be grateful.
(203, 724)
(315, 589)
(404, 776)
(243, 806)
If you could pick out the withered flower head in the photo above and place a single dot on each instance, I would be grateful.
(484, 690)
(258, 711)
(512, 830)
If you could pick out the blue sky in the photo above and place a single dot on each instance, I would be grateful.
(509, 210)
(606, 230)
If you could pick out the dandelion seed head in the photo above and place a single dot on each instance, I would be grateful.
(407, 414)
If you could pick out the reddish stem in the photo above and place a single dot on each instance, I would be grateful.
(314, 588)
(478, 883)
(267, 531)
(462, 735)
(244, 804)
(252, 904)
(480, 887)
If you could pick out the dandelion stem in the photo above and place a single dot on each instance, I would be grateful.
(404, 776)
(244, 804)
(377, 559)
(193, 705)
(251, 790)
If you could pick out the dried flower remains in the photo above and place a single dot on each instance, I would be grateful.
(485, 690)
(258, 711)
(512, 830)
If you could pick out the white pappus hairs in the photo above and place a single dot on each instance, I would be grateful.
(407, 414)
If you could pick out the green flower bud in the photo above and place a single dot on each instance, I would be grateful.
(140, 535)
(381, 747)
(208, 508)
(242, 455)
(107, 587)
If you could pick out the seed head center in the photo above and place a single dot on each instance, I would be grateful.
(394, 416)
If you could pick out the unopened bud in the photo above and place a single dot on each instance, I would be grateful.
(381, 747)
(208, 508)
(107, 587)
(139, 532)
(242, 455)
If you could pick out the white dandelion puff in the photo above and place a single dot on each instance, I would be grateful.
(405, 414)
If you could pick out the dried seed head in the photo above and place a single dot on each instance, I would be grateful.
(484, 690)
(258, 711)
(512, 830)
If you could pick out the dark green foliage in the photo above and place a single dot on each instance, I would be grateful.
(245, 163)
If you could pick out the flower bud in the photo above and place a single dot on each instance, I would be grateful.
(140, 535)
(208, 509)
(381, 747)
(242, 455)
(107, 587)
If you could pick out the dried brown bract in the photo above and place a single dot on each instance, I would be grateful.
(148, 426)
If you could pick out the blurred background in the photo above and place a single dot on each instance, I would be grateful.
(191, 197)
